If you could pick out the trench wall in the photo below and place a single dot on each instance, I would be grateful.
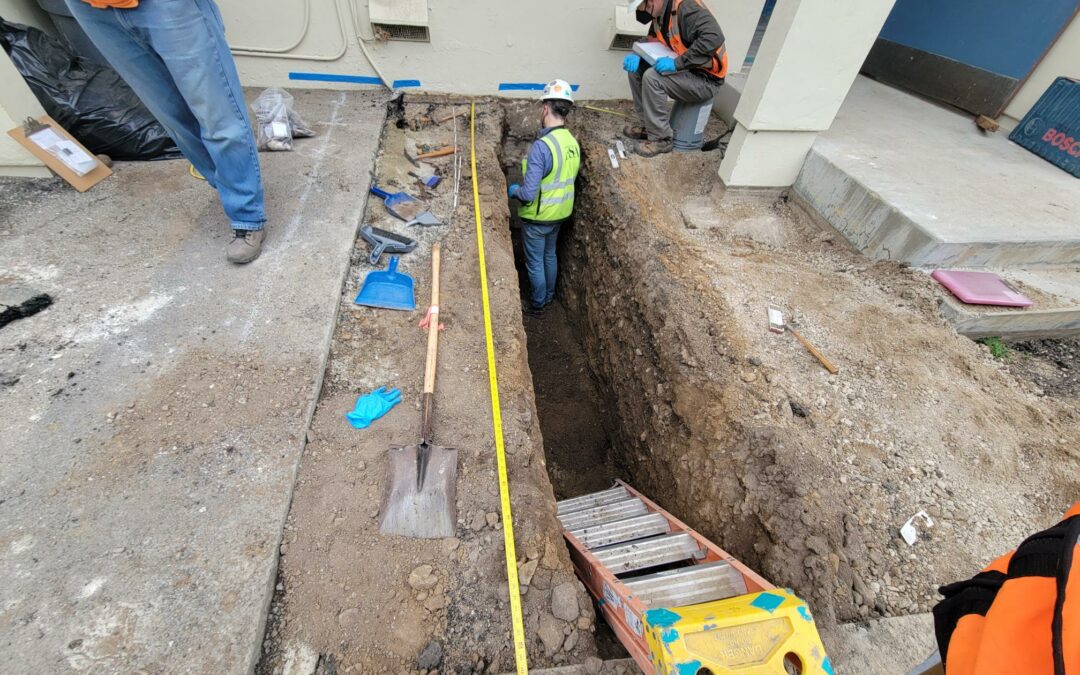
(655, 335)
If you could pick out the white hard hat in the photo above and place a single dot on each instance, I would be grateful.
(633, 4)
(558, 90)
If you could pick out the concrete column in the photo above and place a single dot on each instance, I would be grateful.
(808, 59)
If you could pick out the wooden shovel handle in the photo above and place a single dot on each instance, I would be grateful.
(813, 350)
(433, 327)
(441, 152)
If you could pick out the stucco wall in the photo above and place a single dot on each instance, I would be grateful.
(476, 45)
(1062, 59)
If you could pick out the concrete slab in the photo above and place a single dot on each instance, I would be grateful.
(156, 413)
(904, 179)
(1056, 312)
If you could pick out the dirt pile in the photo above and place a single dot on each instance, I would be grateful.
(353, 600)
(738, 431)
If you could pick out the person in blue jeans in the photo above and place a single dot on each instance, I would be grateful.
(173, 54)
(547, 192)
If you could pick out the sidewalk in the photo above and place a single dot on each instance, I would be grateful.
(152, 419)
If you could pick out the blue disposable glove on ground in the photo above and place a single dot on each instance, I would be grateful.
(512, 191)
(664, 64)
(631, 63)
(373, 406)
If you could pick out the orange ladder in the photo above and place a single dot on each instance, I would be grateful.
(679, 603)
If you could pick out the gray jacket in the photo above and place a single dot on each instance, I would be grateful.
(698, 28)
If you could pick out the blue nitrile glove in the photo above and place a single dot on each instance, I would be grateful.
(664, 64)
(373, 406)
(631, 63)
(512, 191)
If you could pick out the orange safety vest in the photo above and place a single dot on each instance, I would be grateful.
(719, 65)
(118, 4)
(1019, 615)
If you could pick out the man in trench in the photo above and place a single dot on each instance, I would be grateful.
(694, 75)
(547, 192)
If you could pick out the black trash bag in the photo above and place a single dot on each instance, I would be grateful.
(90, 101)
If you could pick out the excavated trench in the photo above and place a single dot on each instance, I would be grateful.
(636, 378)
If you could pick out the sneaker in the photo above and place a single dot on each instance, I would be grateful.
(653, 148)
(245, 246)
(635, 132)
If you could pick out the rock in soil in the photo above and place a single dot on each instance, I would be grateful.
(564, 603)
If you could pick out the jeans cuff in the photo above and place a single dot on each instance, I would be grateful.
(246, 226)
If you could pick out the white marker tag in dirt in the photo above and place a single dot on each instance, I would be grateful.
(908, 531)
(702, 119)
(621, 148)
(633, 621)
(614, 159)
(611, 597)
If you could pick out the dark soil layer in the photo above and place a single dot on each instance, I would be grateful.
(1051, 365)
(573, 419)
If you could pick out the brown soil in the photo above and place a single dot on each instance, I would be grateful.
(344, 591)
(655, 366)
(805, 476)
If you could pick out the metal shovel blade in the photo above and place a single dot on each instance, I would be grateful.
(421, 493)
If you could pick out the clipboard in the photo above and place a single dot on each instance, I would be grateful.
(82, 183)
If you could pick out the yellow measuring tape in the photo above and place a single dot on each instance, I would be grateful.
(520, 657)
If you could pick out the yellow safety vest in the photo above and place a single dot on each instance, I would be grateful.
(554, 200)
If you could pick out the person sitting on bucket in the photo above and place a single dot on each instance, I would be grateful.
(695, 75)
(547, 192)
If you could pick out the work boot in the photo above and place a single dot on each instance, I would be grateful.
(245, 246)
(653, 148)
(635, 132)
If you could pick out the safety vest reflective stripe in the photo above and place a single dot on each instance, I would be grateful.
(554, 200)
(544, 201)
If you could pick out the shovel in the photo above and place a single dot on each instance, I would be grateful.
(406, 207)
(421, 493)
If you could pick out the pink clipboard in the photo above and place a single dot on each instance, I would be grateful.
(980, 288)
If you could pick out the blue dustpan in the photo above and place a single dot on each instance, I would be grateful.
(387, 289)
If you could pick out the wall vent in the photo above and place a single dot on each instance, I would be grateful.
(389, 31)
(625, 30)
(405, 20)
(623, 42)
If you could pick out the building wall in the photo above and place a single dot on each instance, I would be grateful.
(476, 45)
(1063, 59)
(17, 102)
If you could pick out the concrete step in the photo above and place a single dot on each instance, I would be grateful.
(906, 180)
(688, 585)
(619, 531)
(1056, 312)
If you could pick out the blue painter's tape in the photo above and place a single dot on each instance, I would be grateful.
(528, 86)
(805, 613)
(400, 84)
(669, 635)
(688, 668)
(768, 602)
(661, 618)
(826, 665)
(333, 77)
